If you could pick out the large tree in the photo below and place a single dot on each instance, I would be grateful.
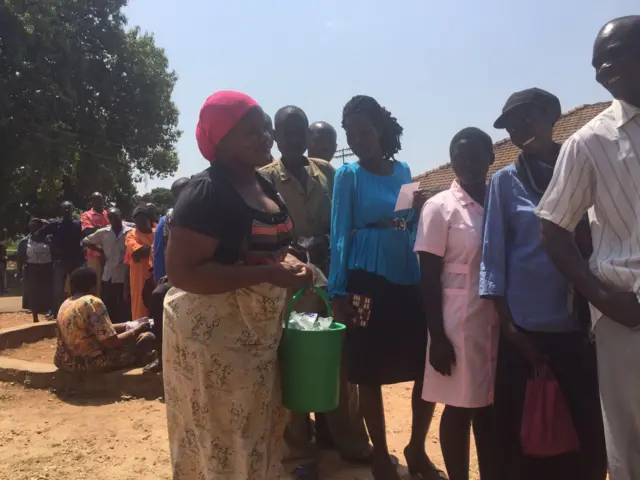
(161, 197)
(85, 105)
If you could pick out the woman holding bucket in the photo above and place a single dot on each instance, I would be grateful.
(227, 259)
(374, 269)
(463, 328)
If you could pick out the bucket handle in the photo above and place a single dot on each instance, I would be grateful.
(319, 291)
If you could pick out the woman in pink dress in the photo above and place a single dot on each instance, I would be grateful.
(463, 328)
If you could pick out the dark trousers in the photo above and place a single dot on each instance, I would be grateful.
(3, 277)
(572, 359)
(112, 296)
(156, 311)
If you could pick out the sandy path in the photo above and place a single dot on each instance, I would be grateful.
(43, 436)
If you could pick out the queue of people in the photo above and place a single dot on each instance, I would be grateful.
(118, 256)
(469, 294)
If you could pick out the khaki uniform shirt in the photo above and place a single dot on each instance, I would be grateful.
(309, 207)
(310, 210)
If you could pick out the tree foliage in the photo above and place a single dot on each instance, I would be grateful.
(161, 197)
(85, 105)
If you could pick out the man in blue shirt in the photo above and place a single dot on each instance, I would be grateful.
(66, 248)
(544, 322)
(161, 235)
(156, 302)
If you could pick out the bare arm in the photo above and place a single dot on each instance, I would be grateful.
(564, 253)
(124, 336)
(442, 355)
(431, 289)
(622, 307)
(573, 190)
(190, 267)
(120, 327)
(93, 241)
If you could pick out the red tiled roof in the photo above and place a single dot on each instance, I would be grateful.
(506, 152)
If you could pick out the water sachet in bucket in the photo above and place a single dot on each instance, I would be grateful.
(309, 322)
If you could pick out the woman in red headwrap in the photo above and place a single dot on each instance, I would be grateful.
(227, 259)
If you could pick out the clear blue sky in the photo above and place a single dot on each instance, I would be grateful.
(437, 66)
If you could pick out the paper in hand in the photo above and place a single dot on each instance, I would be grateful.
(405, 197)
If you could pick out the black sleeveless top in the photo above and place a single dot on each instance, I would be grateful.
(209, 205)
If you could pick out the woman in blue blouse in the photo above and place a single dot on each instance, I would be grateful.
(374, 269)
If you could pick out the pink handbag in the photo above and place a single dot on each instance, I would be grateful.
(547, 428)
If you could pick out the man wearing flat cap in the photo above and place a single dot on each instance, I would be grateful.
(544, 322)
(599, 171)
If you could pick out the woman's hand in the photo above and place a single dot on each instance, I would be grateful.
(343, 311)
(143, 326)
(290, 273)
(442, 355)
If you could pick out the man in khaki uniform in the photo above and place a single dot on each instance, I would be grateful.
(306, 185)
(323, 141)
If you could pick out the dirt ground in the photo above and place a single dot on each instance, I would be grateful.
(8, 320)
(40, 352)
(46, 436)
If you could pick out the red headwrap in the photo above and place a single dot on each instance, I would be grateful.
(218, 115)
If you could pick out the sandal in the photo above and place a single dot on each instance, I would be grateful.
(422, 467)
(153, 367)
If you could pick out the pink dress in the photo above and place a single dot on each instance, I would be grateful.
(451, 227)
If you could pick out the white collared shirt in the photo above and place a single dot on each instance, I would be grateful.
(599, 171)
(114, 251)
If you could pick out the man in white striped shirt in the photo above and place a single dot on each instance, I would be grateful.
(599, 171)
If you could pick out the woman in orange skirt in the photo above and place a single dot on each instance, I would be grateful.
(138, 257)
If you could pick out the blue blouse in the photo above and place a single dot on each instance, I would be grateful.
(359, 199)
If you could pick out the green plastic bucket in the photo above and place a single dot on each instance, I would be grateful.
(310, 363)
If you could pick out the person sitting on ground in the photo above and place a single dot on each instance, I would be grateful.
(89, 342)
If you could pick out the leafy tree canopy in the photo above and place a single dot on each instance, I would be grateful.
(160, 197)
(85, 105)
